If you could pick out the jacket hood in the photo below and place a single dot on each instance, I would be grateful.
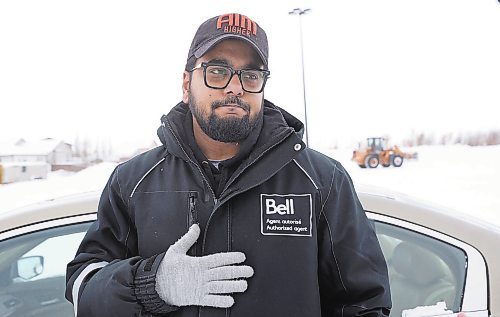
(291, 121)
(171, 131)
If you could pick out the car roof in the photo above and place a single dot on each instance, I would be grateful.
(55, 208)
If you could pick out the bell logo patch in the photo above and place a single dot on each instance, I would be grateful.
(286, 215)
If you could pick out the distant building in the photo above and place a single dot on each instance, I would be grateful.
(22, 171)
(50, 151)
(23, 160)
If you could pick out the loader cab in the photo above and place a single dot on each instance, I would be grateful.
(376, 144)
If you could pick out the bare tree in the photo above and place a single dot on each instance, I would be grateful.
(493, 138)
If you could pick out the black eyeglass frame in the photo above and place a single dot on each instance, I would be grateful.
(204, 65)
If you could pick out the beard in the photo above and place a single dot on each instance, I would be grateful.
(229, 129)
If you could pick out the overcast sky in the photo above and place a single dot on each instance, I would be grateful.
(108, 70)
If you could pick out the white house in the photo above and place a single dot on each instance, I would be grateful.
(53, 152)
(23, 160)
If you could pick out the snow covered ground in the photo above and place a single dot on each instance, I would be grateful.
(461, 177)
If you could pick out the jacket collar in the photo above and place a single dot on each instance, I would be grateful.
(278, 126)
(172, 132)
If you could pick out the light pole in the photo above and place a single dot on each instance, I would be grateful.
(300, 13)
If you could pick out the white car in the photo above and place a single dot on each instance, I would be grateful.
(440, 262)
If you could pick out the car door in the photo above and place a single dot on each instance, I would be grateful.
(33, 267)
(431, 273)
(425, 267)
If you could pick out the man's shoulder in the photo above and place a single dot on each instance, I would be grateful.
(320, 160)
(132, 170)
(320, 166)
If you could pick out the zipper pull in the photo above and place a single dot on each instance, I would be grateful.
(192, 205)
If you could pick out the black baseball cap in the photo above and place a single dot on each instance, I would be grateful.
(225, 26)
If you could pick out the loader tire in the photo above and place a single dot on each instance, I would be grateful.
(397, 160)
(372, 161)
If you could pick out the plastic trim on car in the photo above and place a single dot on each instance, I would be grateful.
(47, 224)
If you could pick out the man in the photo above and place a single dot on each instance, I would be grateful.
(232, 215)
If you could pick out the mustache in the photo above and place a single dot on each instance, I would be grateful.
(231, 100)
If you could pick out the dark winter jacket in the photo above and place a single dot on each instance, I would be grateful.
(291, 210)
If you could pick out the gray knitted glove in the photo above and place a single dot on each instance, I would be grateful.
(184, 280)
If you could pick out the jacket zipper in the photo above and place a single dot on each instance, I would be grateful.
(228, 312)
(238, 191)
(216, 201)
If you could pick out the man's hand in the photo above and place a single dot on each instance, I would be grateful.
(184, 280)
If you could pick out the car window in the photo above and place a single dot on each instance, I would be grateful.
(422, 270)
(33, 269)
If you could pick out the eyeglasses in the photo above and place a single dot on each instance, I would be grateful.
(218, 76)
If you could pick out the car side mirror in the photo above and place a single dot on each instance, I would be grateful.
(28, 267)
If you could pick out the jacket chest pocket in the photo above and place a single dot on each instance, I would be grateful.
(161, 218)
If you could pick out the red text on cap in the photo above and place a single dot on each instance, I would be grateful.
(237, 23)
